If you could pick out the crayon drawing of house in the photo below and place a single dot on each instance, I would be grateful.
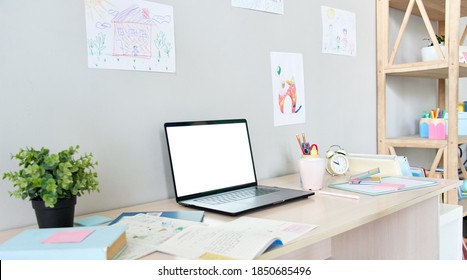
(133, 33)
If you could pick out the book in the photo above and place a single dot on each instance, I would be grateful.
(244, 238)
(73, 243)
(92, 221)
(366, 177)
(388, 184)
(389, 165)
(195, 216)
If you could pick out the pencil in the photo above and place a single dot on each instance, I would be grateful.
(340, 195)
(300, 144)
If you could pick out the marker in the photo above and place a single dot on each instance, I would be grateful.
(340, 195)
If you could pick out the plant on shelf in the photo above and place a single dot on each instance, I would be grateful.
(439, 38)
(48, 179)
(429, 53)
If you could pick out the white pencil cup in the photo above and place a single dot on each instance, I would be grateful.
(312, 170)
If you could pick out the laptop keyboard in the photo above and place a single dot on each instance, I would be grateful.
(234, 196)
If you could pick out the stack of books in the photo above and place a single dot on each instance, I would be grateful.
(463, 190)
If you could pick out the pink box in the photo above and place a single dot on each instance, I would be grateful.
(437, 129)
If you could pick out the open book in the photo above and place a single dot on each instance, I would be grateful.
(244, 238)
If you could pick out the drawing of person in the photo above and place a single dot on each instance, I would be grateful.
(329, 42)
(135, 51)
(346, 43)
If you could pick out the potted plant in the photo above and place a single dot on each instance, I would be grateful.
(429, 53)
(52, 182)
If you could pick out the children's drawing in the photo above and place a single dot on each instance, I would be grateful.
(271, 6)
(339, 32)
(288, 88)
(130, 35)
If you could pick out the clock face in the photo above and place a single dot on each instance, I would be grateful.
(339, 164)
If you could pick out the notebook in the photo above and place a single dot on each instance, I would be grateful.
(213, 168)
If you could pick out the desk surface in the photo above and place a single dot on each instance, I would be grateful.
(333, 215)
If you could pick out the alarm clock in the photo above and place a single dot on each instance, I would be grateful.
(337, 162)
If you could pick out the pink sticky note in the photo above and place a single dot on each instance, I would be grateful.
(68, 236)
(389, 186)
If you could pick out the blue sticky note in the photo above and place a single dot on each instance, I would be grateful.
(93, 221)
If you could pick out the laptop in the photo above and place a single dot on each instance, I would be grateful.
(213, 169)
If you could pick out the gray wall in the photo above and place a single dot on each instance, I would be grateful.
(49, 97)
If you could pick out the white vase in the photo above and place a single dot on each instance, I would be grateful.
(429, 53)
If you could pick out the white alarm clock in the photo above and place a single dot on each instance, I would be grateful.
(337, 162)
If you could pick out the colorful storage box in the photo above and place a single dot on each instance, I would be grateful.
(462, 123)
(433, 128)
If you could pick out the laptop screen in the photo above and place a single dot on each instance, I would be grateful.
(209, 155)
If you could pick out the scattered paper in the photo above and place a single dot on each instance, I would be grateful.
(145, 232)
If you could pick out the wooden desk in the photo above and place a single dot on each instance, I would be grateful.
(402, 225)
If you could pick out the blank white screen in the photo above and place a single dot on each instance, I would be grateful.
(210, 157)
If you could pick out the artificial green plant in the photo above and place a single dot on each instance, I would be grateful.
(51, 177)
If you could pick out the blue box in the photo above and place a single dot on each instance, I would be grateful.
(424, 125)
(462, 123)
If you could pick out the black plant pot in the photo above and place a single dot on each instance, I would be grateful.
(61, 215)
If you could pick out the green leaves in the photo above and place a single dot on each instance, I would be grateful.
(439, 38)
(51, 177)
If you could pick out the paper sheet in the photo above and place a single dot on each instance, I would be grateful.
(339, 31)
(271, 6)
(145, 232)
(288, 88)
(130, 35)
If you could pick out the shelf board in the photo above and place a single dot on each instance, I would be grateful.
(414, 141)
(429, 69)
(434, 8)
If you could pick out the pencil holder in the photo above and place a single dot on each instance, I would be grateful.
(312, 169)
(424, 126)
(437, 129)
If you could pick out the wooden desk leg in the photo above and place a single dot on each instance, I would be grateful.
(412, 233)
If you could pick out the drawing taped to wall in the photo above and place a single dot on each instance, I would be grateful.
(271, 6)
(130, 35)
(288, 88)
(339, 31)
